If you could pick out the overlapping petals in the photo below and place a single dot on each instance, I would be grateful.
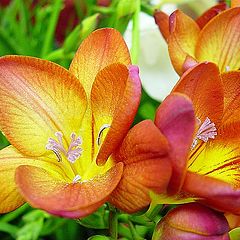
(60, 122)
(213, 37)
(144, 152)
(175, 118)
(213, 171)
(192, 222)
(200, 122)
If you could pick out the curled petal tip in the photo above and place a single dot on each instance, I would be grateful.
(133, 69)
(172, 22)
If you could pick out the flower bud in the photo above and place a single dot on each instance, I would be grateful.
(192, 222)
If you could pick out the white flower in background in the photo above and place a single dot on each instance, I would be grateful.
(157, 74)
(156, 71)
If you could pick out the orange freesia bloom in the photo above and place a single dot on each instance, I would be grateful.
(199, 124)
(64, 125)
(213, 37)
(203, 133)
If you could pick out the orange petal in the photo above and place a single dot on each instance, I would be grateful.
(10, 159)
(210, 13)
(138, 179)
(233, 220)
(183, 37)
(203, 85)
(219, 41)
(102, 48)
(10, 198)
(235, 3)
(231, 85)
(175, 118)
(39, 98)
(143, 141)
(42, 190)
(115, 98)
(162, 20)
(215, 193)
(144, 152)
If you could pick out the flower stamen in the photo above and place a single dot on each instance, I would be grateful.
(76, 178)
(206, 130)
(72, 153)
(104, 126)
(227, 68)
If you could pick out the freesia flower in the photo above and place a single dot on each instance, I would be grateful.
(192, 222)
(150, 147)
(63, 126)
(212, 38)
(206, 168)
(200, 123)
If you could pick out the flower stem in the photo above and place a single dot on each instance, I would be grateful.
(113, 222)
(153, 211)
(136, 34)
(51, 27)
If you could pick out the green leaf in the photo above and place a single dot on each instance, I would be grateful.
(3, 141)
(99, 237)
(235, 234)
(50, 33)
(126, 7)
(15, 214)
(8, 228)
(30, 231)
(34, 215)
(97, 220)
(80, 32)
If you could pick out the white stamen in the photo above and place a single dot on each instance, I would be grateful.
(206, 130)
(103, 127)
(72, 153)
(76, 178)
(227, 68)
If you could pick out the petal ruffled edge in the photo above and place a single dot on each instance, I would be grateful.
(42, 190)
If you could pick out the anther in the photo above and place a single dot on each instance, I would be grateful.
(104, 126)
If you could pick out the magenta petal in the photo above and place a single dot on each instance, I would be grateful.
(175, 119)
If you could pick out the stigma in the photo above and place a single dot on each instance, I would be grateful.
(72, 153)
(206, 131)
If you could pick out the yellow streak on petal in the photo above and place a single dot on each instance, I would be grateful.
(173, 199)
(217, 160)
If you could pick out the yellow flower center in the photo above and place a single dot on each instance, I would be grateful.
(70, 156)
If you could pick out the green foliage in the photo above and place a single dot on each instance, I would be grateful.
(235, 234)
(98, 220)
